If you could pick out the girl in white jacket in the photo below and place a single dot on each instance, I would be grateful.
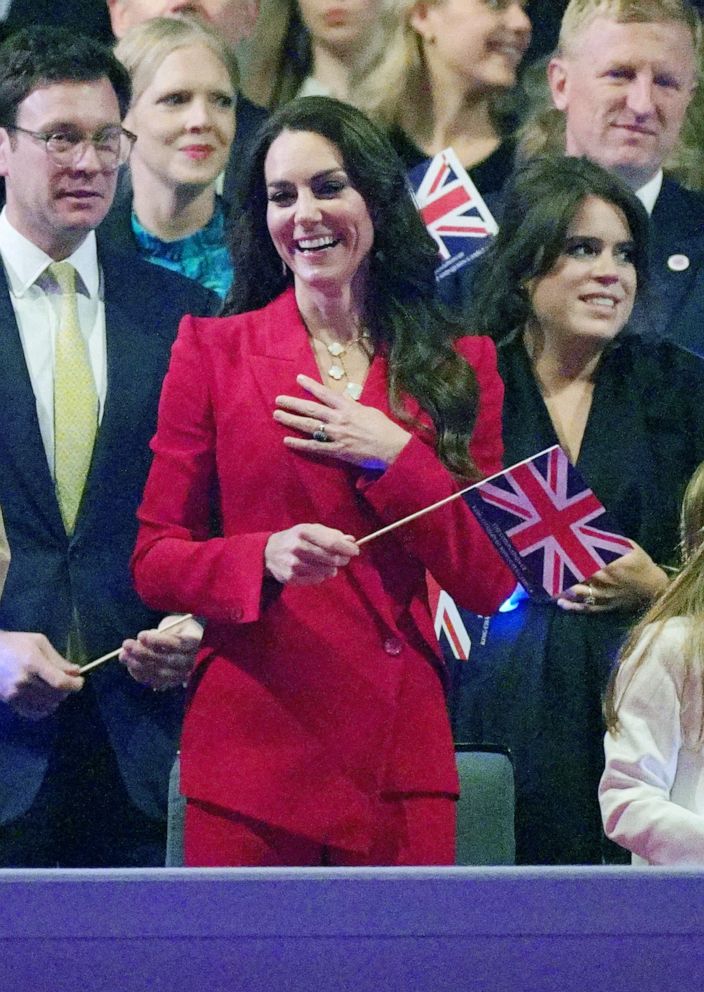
(652, 789)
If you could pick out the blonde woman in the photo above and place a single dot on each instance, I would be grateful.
(447, 67)
(312, 48)
(652, 789)
(184, 84)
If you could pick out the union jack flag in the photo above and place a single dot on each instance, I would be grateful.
(452, 210)
(547, 523)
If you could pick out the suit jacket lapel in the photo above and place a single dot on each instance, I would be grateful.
(285, 353)
(676, 230)
(130, 379)
(21, 438)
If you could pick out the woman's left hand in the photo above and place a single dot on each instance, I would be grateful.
(163, 659)
(340, 427)
(628, 583)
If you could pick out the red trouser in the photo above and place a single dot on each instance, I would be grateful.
(408, 830)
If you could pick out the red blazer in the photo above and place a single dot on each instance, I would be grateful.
(307, 701)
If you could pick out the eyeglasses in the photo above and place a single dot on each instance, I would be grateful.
(66, 147)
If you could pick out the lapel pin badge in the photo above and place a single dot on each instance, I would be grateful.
(678, 263)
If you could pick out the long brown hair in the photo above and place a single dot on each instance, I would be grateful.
(684, 597)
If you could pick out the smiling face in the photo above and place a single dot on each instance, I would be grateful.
(56, 206)
(234, 19)
(341, 25)
(477, 42)
(625, 89)
(184, 120)
(588, 294)
(318, 222)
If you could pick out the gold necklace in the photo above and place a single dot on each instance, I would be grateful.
(337, 369)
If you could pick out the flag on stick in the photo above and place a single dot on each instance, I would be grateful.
(452, 210)
(543, 519)
(547, 523)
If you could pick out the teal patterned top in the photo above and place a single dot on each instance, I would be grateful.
(202, 256)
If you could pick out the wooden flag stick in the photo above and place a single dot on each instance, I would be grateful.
(441, 502)
(414, 516)
(113, 654)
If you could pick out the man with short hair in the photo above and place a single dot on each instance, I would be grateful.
(86, 335)
(623, 75)
(235, 20)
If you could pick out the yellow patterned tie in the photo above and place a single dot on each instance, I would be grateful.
(75, 401)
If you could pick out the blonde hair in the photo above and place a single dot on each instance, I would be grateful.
(683, 597)
(543, 130)
(580, 13)
(278, 57)
(687, 161)
(145, 46)
(397, 91)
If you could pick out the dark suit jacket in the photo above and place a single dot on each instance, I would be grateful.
(318, 696)
(674, 306)
(87, 16)
(51, 574)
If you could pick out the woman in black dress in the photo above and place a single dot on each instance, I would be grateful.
(556, 291)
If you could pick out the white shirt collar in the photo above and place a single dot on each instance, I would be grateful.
(24, 262)
(649, 193)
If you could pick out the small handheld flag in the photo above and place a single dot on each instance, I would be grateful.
(547, 523)
(452, 210)
(543, 519)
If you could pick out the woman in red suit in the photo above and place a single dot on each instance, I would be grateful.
(331, 400)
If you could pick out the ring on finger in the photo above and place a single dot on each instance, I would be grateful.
(320, 434)
(590, 598)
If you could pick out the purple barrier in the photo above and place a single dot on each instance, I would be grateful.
(386, 930)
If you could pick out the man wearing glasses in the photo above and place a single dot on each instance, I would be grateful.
(83, 762)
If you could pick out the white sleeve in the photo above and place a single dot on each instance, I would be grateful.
(642, 758)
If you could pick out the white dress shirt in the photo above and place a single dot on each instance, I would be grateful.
(36, 300)
(649, 193)
(652, 789)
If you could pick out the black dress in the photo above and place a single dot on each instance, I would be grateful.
(535, 684)
(488, 176)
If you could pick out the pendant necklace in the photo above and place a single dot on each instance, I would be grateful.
(337, 369)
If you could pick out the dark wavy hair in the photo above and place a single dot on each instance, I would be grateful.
(43, 55)
(401, 310)
(540, 203)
